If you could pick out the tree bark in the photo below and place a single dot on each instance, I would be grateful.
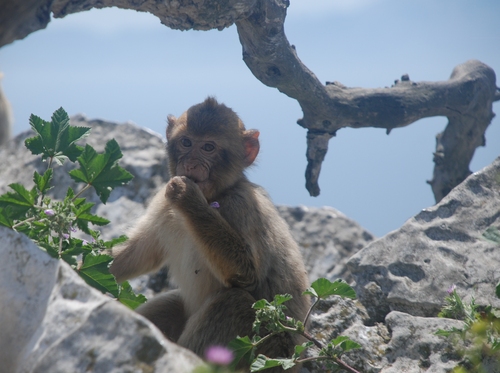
(466, 98)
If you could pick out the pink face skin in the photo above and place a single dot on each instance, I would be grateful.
(196, 159)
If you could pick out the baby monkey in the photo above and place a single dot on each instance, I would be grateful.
(220, 236)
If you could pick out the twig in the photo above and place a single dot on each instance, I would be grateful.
(81, 191)
(23, 222)
(310, 310)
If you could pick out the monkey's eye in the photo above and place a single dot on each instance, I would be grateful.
(186, 142)
(208, 147)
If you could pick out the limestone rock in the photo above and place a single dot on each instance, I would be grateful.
(53, 322)
(327, 239)
(410, 269)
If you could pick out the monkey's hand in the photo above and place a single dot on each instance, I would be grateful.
(182, 191)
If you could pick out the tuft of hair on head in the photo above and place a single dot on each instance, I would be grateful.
(212, 117)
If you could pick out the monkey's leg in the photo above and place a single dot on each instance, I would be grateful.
(166, 311)
(225, 315)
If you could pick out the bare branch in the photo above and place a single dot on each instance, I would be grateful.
(466, 99)
(20, 18)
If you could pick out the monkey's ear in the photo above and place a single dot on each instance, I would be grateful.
(252, 146)
(171, 120)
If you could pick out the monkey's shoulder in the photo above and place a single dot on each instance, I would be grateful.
(247, 204)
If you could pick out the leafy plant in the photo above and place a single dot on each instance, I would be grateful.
(480, 334)
(271, 317)
(51, 224)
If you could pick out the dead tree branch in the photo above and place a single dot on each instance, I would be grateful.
(465, 99)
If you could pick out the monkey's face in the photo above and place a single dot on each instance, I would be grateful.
(195, 159)
(209, 145)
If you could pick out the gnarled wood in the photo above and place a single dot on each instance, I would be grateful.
(466, 99)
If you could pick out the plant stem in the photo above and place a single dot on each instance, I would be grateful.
(312, 339)
(336, 359)
(320, 346)
(265, 338)
(310, 310)
(344, 365)
(23, 222)
(81, 191)
(60, 245)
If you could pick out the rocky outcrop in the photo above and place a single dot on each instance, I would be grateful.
(52, 321)
(50, 318)
(410, 269)
(327, 239)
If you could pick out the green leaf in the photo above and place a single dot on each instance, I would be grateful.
(322, 288)
(447, 333)
(339, 339)
(492, 234)
(243, 348)
(301, 348)
(115, 241)
(95, 272)
(5, 217)
(94, 219)
(101, 170)
(83, 217)
(349, 345)
(281, 298)
(129, 298)
(43, 182)
(263, 362)
(56, 139)
(20, 197)
(261, 304)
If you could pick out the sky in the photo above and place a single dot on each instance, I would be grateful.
(121, 65)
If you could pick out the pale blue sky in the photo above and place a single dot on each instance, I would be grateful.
(125, 66)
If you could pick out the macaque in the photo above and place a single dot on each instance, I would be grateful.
(220, 236)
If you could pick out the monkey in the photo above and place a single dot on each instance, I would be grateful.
(5, 117)
(221, 237)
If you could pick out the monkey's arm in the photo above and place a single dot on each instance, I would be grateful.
(146, 248)
(229, 257)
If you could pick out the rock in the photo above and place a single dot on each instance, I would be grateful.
(410, 269)
(414, 347)
(404, 343)
(53, 322)
(327, 239)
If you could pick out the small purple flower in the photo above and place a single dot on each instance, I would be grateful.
(451, 289)
(65, 236)
(49, 212)
(215, 205)
(219, 355)
(85, 242)
(72, 229)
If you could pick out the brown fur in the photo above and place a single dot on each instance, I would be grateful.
(223, 259)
